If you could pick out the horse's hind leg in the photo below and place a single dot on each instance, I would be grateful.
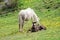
(21, 23)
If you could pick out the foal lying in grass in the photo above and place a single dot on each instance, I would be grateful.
(36, 28)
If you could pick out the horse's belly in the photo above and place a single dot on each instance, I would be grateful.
(27, 18)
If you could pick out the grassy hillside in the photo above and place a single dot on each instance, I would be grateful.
(49, 17)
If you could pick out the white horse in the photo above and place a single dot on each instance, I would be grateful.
(26, 15)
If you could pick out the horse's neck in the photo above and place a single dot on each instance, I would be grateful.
(35, 18)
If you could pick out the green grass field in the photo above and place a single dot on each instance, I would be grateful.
(9, 29)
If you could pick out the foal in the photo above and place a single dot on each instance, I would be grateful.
(36, 28)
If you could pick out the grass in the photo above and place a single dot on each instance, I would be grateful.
(48, 17)
(9, 27)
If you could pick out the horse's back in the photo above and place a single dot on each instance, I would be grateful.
(26, 11)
